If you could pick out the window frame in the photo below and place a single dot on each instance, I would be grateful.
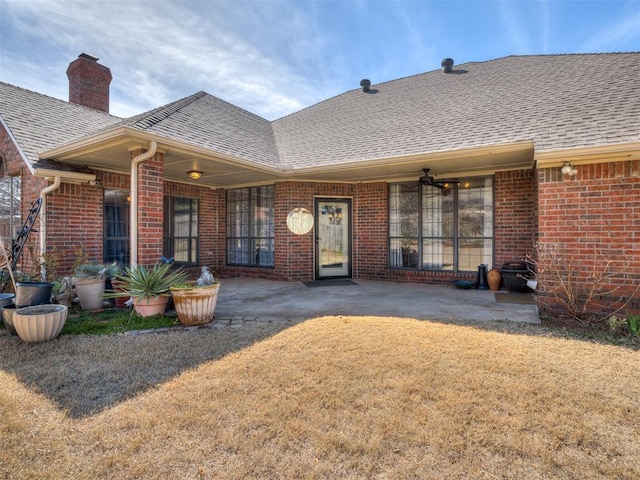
(14, 214)
(415, 258)
(169, 236)
(243, 219)
(126, 239)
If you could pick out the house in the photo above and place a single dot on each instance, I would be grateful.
(419, 179)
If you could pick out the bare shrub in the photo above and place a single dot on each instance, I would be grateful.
(586, 287)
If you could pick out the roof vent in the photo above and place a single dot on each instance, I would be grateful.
(447, 65)
(365, 84)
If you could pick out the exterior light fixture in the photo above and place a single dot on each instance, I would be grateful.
(194, 174)
(568, 169)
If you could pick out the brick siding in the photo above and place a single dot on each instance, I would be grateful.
(596, 217)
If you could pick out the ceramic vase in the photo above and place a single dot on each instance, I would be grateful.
(494, 279)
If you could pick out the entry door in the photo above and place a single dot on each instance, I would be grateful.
(333, 237)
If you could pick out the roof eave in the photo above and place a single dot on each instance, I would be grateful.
(481, 160)
(591, 154)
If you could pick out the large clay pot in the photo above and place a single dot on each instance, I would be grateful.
(90, 292)
(40, 322)
(494, 279)
(146, 307)
(195, 305)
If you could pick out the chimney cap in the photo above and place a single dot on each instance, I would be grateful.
(89, 57)
(365, 83)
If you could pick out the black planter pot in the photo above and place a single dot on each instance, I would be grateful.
(33, 293)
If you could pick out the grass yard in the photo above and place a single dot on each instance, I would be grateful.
(333, 397)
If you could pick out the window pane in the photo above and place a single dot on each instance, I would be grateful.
(181, 229)
(185, 217)
(264, 252)
(441, 229)
(437, 228)
(404, 253)
(10, 219)
(437, 254)
(238, 251)
(262, 211)
(474, 252)
(475, 223)
(250, 226)
(404, 210)
(116, 226)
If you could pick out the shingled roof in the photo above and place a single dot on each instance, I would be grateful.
(555, 101)
(39, 122)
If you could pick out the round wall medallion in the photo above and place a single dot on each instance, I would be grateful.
(300, 221)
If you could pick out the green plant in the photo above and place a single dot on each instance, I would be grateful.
(633, 323)
(96, 270)
(140, 282)
(112, 322)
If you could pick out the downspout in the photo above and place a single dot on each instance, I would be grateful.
(143, 157)
(43, 224)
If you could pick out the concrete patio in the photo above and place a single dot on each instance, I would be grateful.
(245, 299)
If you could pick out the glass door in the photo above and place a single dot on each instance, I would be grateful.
(333, 238)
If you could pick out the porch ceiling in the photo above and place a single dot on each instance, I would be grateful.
(222, 171)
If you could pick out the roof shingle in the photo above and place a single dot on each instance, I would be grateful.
(556, 101)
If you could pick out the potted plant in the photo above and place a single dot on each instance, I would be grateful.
(89, 280)
(39, 323)
(195, 302)
(149, 288)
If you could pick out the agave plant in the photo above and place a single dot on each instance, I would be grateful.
(139, 282)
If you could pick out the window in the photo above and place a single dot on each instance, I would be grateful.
(441, 229)
(181, 229)
(10, 218)
(116, 226)
(250, 226)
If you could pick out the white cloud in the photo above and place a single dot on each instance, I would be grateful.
(161, 51)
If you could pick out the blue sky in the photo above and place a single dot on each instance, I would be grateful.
(274, 57)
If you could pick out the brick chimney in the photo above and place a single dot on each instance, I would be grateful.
(89, 83)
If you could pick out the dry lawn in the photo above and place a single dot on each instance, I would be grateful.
(333, 397)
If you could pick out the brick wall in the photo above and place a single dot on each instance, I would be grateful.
(150, 209)
(595, 217)
(515, 215)
(371, 228)
(74, 223)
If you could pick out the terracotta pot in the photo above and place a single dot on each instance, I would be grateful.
(146, 307)
(119, 301)
(195, 306)
(39, 323)
(494, 279)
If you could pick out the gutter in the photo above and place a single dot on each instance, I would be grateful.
(143, 157)
(43, 224)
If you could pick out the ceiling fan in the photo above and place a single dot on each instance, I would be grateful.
(430, 180)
